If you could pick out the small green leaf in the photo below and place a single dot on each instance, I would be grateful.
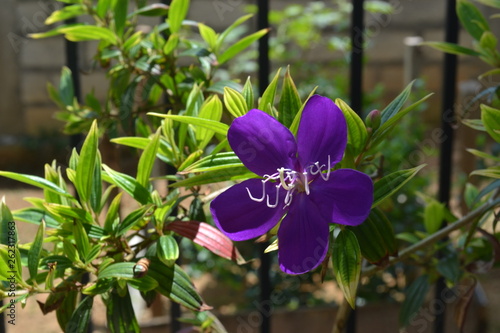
(7, 225)
(155, 9)
(175, 284)
(356, 129)
(211, 109)
(452, 48)
(491, 120)
(234, 102)
(471, 194)
(295, 124)
(68, 304)
(65, 13)
(35, 181)
(346, 257)
(214, 162)
(81, 239)
(240, 45)
(128, 184)
(132, 219)
(396, 105)
(449, 267)
(96, 188)
(171, 44)
(120, 314)
(433, 216)
(177, 13)
(112, 214)
(209, 35)
(215, 126)
(86, 164)
(80, 318)
(472, 19)
(267, 99)
(391, 183)
(120, 15)
(222, 37)
(248, 94)
(290, 103)
(215, 176)
(415, 296)
(147, 160)
(167, 250)
(69, 213)
(35, 251)
(123, 270)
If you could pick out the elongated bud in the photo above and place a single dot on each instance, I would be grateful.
(373, 119)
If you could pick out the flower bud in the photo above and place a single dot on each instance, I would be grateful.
(373, 119)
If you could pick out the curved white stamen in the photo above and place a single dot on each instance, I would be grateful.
(277, 198)
(282, 179)
(263, 193)
(306, 183)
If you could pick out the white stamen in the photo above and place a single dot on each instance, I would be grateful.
(277, 198)
(263, 193)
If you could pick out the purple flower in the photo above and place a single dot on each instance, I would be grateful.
(298, 188)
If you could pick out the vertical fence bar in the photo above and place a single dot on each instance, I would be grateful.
(263, 76)
(356, 88)
(447, 119)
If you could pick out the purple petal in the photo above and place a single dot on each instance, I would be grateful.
(302, 237)
(241, 218)
(346, 198)
(262, 143)
(322, 132)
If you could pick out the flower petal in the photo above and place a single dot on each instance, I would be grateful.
(322, 132)
(262, 143)
(242, 218)
(302, 237)
(346, 198)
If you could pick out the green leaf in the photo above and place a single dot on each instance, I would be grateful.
(472, 19)
(171, 44)
(214, 176)
(484, 155)
(7, 225)
(35, 181)
(177, 13)
(128, 184)
(491, 3)
(267, 99)
(133, 218)
(80, 318)
(396, 105)
(488, 41)
(69, 213)
(356, 129)
(66, 89)
(120, 15)
(81, 239)
(10, 263)
(123, 270)
(433, 216)
(212, 110)
(290, 103)
(120, 314)
(248, 94)
(217, 127)
(145, 283)
(449, 267)
(175, 284)
(391, 183)
(415, 296)
(35, 251)
(376, 238)
(346, 257)
(112, 214)
(167, 250)
(222, 37)
(68, 304)
(214, 162)
(96, 196)
(155, 9)
(493, 172)
(452, 48)
(209, 35)
(86, 164)
(79, 32)
(471, 195)
(234, 102)
(147, 160)
(65, 13)
(36, 216)
(240, 45)
(491, 120)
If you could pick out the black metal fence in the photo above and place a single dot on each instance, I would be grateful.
(356, 97)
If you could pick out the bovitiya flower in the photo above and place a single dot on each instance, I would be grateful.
(299, 186)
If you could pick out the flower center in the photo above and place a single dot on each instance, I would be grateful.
(292, 181)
